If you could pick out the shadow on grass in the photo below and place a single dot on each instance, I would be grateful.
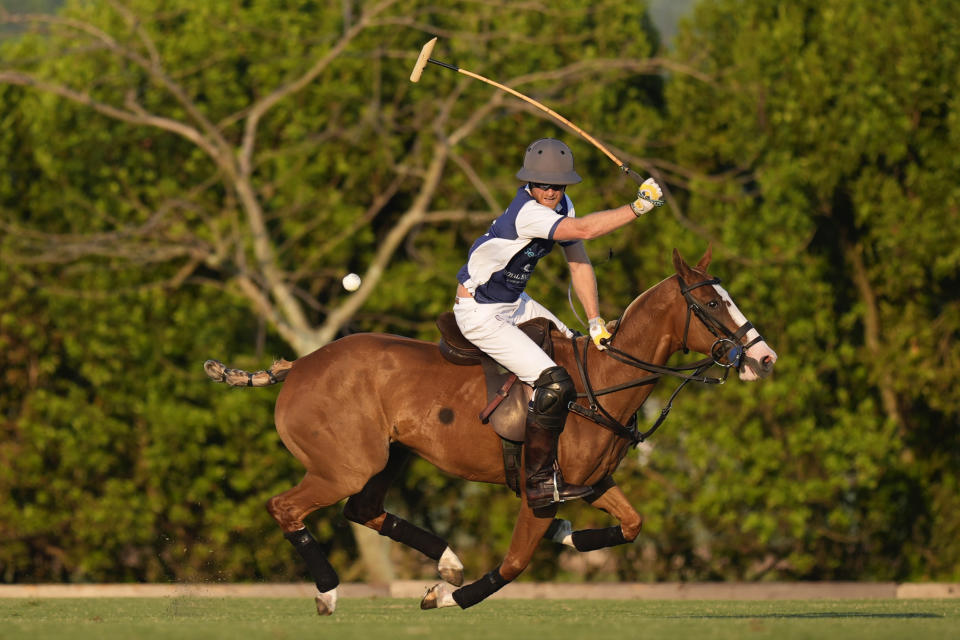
(824, 614)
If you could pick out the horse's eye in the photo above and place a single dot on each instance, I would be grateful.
(713, 304)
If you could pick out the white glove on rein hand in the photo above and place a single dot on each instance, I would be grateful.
(598, 332)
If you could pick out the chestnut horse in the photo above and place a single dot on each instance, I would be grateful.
(353, 410)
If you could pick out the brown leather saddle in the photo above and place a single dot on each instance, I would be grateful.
(506, 402)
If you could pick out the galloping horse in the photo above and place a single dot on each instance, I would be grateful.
(353, 410)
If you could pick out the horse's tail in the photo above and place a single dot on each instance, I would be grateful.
(219, 372)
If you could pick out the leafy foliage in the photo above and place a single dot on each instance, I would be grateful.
(820, 157)
(158, 207)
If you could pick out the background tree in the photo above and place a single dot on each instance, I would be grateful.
(253, 154)
(821, 163)
(182, 181)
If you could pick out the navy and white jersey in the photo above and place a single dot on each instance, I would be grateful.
(502, 260)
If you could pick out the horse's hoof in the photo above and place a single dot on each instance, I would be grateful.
(452, 575)
(326, 603)
(450, 568)
(429, 599)
(437, 596)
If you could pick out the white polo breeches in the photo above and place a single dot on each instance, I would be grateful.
(493, 328)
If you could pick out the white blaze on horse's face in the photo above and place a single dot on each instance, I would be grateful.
(759, 358)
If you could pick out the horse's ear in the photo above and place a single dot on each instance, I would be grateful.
(679, 264)
(705, 260)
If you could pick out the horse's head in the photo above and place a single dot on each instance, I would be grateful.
(715, 325)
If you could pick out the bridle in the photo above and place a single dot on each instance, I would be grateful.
(726, 352)
(734, 355)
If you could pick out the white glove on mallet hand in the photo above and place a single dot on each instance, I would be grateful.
(648, 196)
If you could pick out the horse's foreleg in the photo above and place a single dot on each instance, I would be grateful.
(289, 509)
(612, 500)
(527, 533)
(366, 508)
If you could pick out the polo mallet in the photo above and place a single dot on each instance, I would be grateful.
(424, 58)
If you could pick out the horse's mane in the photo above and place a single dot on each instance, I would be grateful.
(640, 299)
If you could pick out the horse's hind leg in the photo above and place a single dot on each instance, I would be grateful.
(289, 509)
(366, 508)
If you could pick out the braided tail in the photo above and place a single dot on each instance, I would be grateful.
(218, 372)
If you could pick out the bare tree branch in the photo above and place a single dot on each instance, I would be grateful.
(136, 25)
(478, 183)
(216, 146)
(141, 118)
(262, 106)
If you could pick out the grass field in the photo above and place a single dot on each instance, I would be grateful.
(387, 618)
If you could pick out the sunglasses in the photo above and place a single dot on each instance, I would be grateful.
(547, 187)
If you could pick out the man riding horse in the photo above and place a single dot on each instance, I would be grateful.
(354, 411)
(491, 302)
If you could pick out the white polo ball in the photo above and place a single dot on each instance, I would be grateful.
(351, 282)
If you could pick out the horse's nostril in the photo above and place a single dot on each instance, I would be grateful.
(767, 363)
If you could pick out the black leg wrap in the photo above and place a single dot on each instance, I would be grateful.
(476, 591)
(593, 539)
(317, 564)
(413, 536)
(553, 528)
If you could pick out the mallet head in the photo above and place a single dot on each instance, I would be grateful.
(422, 60)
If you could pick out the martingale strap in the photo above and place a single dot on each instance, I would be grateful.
(595, 411)
(627, 432)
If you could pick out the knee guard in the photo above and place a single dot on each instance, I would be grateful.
(552, 392)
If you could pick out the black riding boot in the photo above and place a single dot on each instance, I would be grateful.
(545, 420)
(545, 483)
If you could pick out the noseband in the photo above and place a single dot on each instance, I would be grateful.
(726, 352)
(728, 343)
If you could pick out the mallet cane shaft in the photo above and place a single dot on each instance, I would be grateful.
(424, 58)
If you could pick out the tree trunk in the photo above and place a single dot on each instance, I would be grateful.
(374, 553)
(871, 333)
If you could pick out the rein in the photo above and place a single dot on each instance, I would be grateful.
(595, 411)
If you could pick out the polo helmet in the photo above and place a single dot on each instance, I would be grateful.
(548, 161)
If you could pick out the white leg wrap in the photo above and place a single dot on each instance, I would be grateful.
(445, 595)
(450, 567)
